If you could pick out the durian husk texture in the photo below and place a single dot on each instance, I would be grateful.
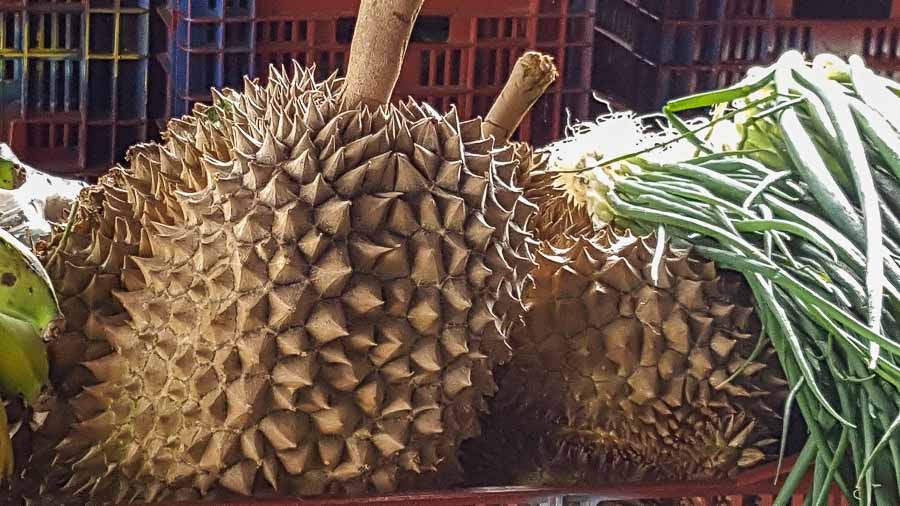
(559, 217)
(286, 297)
(615, 379)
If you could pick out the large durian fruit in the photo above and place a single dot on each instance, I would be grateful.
(300, 292)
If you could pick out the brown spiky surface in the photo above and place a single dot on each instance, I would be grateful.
(558, 216)
(614, 379)
(286, 297)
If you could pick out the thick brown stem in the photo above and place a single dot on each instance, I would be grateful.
(530, 78)
(379, 44)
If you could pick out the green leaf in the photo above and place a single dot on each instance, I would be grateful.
(6, 450)
(26, 292)
(28, 306)
(8, 175)
(23, 359)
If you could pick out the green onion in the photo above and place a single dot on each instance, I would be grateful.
(806, 209)
(838, 110)
(874, 92)
(811, 167)
(706, 99)
(879, 133)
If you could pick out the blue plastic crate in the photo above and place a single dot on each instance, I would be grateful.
(211, 45)
(198, 10)
(11, 78)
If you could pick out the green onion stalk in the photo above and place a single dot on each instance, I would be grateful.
(795, 183)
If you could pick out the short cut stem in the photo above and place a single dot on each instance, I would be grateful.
(530, 78)
(382, 32)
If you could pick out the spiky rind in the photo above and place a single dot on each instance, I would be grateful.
(617, 379)
(558, 216)
(286, 297)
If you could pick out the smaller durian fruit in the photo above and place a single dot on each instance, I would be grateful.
(558, 216)
(619, 378)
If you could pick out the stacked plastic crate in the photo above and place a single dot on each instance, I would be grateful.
(74, 74)
(647, 51)
(564, 29)
(73, 81)
(881, 46)
(315, 32)
(459, 53)
(210, 44)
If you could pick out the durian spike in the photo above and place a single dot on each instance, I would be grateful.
(532, 75)
(379, 44)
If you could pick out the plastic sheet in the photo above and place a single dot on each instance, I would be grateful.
(39, 202)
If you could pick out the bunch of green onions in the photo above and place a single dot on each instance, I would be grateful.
(805, 205)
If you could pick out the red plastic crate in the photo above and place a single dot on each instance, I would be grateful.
(752, 488)
(460, 53)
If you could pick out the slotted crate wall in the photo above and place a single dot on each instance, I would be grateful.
(73, 80)
(460, 54)
(211, 44)
(563, 29)
(74, 74)
(648, 51)
(752, 487)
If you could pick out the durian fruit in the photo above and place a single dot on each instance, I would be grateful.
(302, 291)
(616, 378)
(558, 217)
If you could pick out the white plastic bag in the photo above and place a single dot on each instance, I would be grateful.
(29, 211)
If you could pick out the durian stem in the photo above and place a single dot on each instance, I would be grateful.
(530, 78)
(382, 32)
